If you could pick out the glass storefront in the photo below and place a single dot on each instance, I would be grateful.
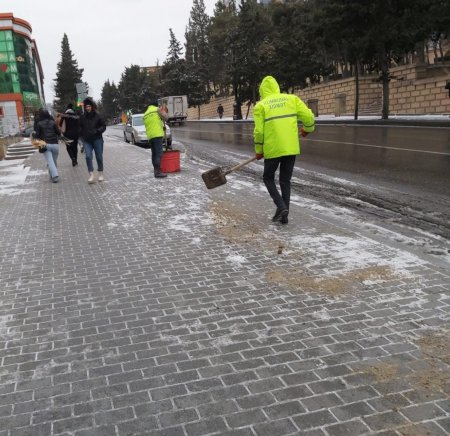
(18, 70)
(9, 79)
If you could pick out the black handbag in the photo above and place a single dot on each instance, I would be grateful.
(43, 149)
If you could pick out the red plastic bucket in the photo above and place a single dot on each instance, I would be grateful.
(170, 161)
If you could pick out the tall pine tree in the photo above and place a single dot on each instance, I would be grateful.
(174, 69)
(67, 75)
(110, 100)
(197, 55)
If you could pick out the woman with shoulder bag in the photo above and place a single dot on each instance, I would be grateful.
(47, 130)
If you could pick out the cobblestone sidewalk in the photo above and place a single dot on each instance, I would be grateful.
(156, 307)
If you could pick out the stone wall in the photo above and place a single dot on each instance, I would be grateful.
(414, 90)
(420, 90)
(210, 110)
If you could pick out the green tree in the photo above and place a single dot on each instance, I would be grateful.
(393, 29)
(136, 89)
(343, 27)
(439, 24)
(222, 25)
(67, 75)
(252, 52)
(173, 72)
(110, 100)
(299, 53)
(197, 55)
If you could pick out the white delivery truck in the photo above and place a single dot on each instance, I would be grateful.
(176, 107)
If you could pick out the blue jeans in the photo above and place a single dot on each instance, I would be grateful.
(156, 144)
(51, 156)
(97, 146)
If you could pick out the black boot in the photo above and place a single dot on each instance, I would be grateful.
(159, 174)
(280, 214)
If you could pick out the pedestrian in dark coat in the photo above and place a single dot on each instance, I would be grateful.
(220, 111)
(92, 126)
(70, 128)
(47, 130)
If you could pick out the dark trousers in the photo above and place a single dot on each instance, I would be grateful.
(156, 144)
(72, 149)
(286, 164)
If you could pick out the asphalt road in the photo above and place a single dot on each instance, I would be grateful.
(413, 156)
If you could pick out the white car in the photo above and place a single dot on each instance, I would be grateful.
(134, 131)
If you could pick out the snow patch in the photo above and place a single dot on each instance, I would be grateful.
(236, 259)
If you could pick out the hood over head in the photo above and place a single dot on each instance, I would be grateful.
(88, 102)
(268, 87)
(69, 109)
(44, 114)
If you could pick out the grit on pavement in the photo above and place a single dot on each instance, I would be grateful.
(140, 306)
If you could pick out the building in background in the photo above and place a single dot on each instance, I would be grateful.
(21, 75)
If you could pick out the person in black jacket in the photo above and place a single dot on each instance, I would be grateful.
(47, 130)
(92, 125)
(71, 122)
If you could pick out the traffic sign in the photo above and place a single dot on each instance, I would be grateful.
(82, 90)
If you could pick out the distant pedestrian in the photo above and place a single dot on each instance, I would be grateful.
(276, 139)
(47, 130)
(154, 120)
(220, 111)
(70, 130)
(92, 125)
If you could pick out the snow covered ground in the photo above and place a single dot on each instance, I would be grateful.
(12, 176)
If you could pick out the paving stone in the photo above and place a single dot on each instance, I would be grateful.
(208, 426)
(422, 412)
(350, 427)
(247, 418)
(384, 420)
(274, 428)
(314, 419)
(150, 325)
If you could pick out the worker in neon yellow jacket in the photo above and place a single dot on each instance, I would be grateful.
(154, 120)
(276, 139)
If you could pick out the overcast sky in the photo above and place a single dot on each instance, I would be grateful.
(105, 36)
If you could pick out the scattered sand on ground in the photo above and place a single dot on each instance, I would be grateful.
(383, 372)
(341, 284)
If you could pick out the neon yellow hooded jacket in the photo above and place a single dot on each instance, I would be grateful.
(153, 123)
(276, 117)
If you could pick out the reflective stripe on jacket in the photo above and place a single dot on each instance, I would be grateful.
(276, 117)
(153, 123)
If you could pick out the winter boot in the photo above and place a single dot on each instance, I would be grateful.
(280, 214)
(159, 174)
(91, 178)
(100, 176)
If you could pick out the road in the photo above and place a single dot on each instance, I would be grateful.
(409, 155)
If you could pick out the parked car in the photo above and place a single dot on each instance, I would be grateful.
(134, 131)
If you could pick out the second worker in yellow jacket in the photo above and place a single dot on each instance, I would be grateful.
(154, 120)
